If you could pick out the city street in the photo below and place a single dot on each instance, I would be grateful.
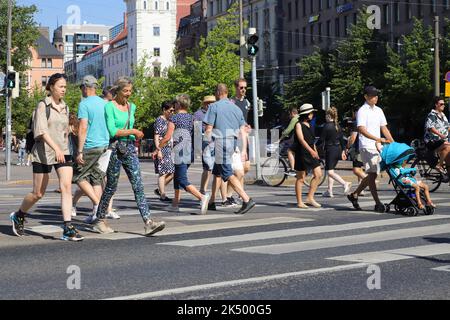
(276, 251)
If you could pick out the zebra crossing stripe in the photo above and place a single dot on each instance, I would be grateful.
(301, 231)
(396, 254)
(301, 246)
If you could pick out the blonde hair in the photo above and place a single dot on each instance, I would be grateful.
(333, 114)
(121, 83)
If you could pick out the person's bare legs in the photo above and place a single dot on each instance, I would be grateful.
(317, 175)
(77, 196)
(298, 188)
(417, 192)
(163, 181)
(426, 191)
(206, 175)
(291, 158)
(216, 185)
(40, 183)
(236, 184)
(176, 198)
(194, 191)
(65, 184)
(88, 190)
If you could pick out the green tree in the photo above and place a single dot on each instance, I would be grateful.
(409, 79)
(24, 34)
(214, 62)
(315, 77)
(358, 61)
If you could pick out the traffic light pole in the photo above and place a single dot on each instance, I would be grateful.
(8, 99)
(256, 120)
(241, 41)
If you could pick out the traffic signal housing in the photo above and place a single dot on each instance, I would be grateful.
(12, 82)
(252, 48)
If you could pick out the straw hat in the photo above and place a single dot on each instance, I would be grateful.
(306, 108)
(209, 99)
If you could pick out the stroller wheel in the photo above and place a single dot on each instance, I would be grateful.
(411, 212)
(429, 210)
(387, 208)
(399, 209)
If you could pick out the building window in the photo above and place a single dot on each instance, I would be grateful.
(145, 5)
(211, 8)
(289, 11)
(311, 6)
(156, 31)
(256, 22)
(290, 41)
(345, 25)
(396, 12)
(157, 52)
(43, 63)
(419, 8)
(336, 3)
(121, 57)
(156, 5)
(297, 67)
(320, 32)
(320, 5)
(408, 10)
(266, 19)
(355, 18)
(49, 63)
(433, 6)
(311, 36)
(337, 31)
(328, 29)
(167, 6)
(157, 72)
(304, 36)
(297, 39)
(386, 14)
(44, 81)
(304, 8)
(447, 4)
(296, 9)
(328, 4)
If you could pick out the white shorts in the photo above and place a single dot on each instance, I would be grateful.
(371, 160)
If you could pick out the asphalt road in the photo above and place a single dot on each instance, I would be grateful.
(274, 252)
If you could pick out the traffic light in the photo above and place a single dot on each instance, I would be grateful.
(252, 48)
(12, 83)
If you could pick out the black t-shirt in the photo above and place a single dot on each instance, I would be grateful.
(244, 105)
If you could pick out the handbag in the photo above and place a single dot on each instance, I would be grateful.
(122, 146)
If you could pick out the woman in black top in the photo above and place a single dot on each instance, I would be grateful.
(334, 146)
(306, 157)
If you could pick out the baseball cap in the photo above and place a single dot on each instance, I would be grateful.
(371, 91)
(89, 81)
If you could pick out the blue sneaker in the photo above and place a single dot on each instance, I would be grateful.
(17, 224)
(71, 234)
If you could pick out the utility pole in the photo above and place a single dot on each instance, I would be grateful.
(437, 80)
(241, 40)
(8, 98)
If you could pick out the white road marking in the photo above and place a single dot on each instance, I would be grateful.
(233, 283)
(443, 268)
(301, 231)
(396, 254)
(45, 229)
(347, 240)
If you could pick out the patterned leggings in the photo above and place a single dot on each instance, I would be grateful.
(130, 163)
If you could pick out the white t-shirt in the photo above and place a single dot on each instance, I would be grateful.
(372, 119)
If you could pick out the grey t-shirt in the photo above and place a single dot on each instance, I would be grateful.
(225, 118)
(244, 105)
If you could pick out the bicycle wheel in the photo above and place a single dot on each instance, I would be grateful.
(273, 171)
(309, 175)
(430, 176)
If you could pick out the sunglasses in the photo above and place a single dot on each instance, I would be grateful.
(442, 104)
(243, 88)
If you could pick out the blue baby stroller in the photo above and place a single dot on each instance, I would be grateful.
(405, 202)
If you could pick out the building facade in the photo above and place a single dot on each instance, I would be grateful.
(191, 28)
(308, 24)
(115, 59)
(92, 62)
(152, 33)
(45, 60)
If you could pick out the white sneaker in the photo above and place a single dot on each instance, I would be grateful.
(347, 188)
(326, 194)
(74, 212)
(173, 209)
(112, 215)
(90, 219)
(204, 203)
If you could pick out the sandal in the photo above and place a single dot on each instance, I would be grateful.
(313, 203)
(302, 206)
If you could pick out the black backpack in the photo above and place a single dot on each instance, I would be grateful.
(30, 134)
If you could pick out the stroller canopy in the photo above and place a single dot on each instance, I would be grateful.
(395, 153)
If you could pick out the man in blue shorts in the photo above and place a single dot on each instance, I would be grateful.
(225, 130)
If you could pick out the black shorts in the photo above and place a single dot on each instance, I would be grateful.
(434, 145)
(45, 168)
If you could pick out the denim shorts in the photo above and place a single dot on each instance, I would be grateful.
(225, 149)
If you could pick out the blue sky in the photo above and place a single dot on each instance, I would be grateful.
(108, 12)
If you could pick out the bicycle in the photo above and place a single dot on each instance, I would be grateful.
(275, 169)
(425, 162)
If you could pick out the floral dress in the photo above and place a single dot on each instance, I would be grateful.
(165, 165)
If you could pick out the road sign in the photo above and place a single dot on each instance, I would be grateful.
(2, 80)
(447, 89)
(447, 76)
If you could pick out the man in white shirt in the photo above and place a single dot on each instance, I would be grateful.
(371, 123)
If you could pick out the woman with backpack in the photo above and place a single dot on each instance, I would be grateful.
(50, 126)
